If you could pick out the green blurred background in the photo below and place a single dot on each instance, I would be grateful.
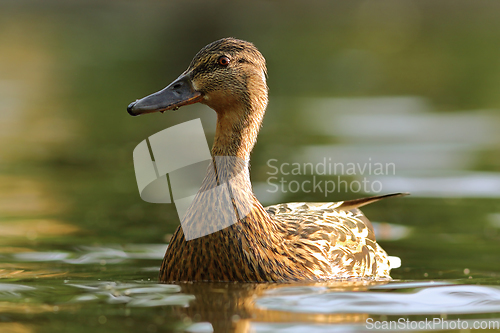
(68, 69)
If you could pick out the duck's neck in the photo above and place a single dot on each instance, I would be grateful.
(238, 125)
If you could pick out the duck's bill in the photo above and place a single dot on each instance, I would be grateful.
(178, 93)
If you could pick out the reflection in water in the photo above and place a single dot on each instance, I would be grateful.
(94, 255)
(131, 294)
(238, 307)
(230, 307)
(427, 301)
(29, 271)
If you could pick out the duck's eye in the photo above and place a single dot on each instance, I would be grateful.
(223, 61)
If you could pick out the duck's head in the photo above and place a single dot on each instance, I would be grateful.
(228, 75)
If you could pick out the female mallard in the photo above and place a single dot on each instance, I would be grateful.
(286, 242)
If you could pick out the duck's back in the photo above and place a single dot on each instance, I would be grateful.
(334, 242)
(285, 242)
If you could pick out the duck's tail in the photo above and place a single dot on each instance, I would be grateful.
(394, 262)
(356, 203)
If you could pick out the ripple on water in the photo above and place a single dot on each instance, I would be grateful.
(95, 254)
(132, 294)
(450, 299)
(8, 290)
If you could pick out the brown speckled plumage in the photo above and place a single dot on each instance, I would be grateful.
(286, 242)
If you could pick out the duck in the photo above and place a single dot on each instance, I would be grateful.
(286, 242)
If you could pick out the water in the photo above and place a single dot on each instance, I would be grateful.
(409, 84)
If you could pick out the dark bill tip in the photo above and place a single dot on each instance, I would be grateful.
(130, 108)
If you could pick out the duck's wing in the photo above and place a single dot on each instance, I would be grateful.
(356, 203)
(317, 206)
(334, 234)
